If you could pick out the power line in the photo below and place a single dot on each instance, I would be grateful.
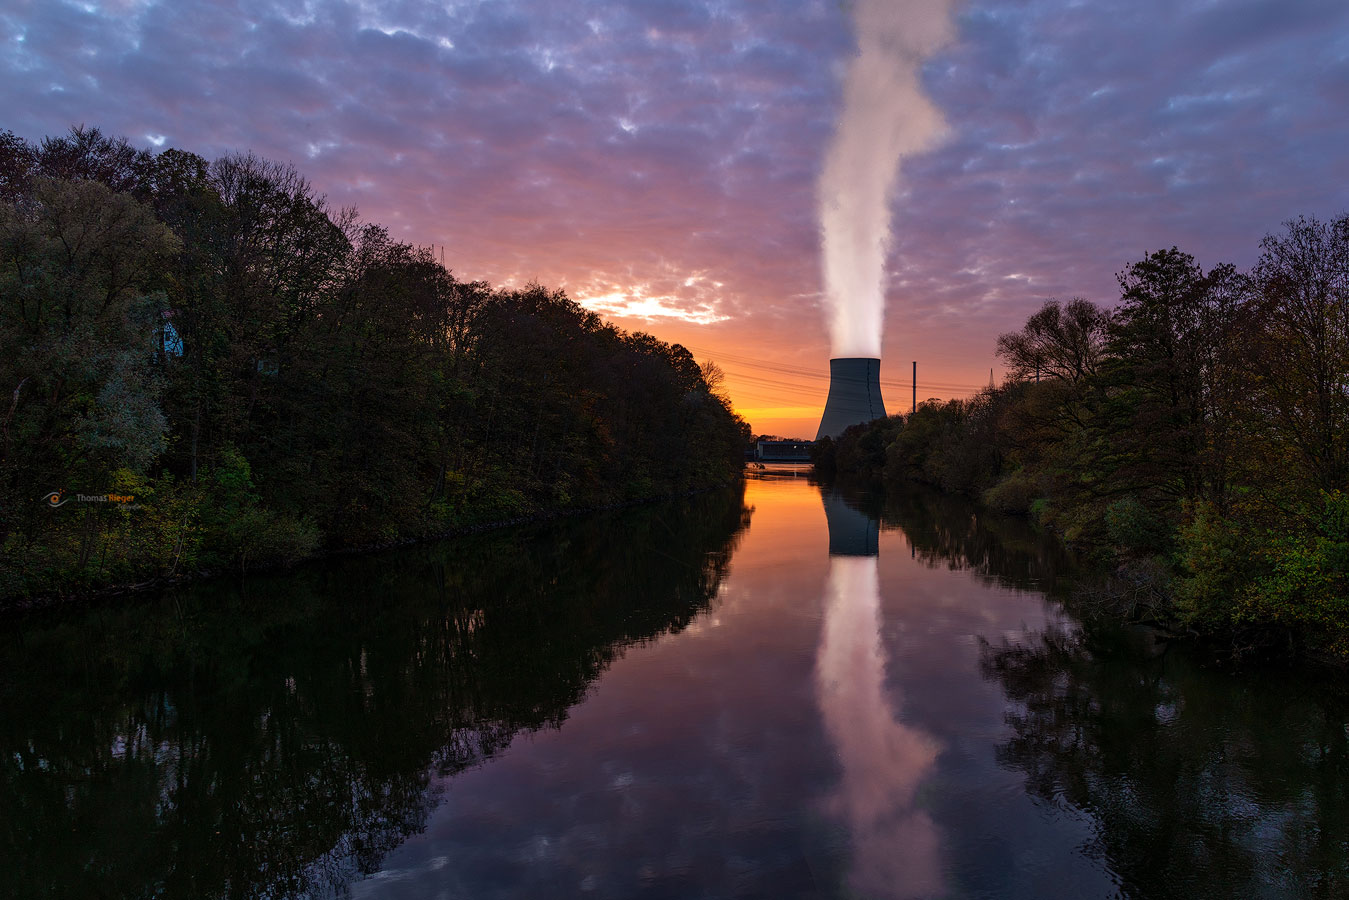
(815, 375)
(785, 385)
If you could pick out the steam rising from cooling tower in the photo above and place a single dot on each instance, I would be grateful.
(885, 117)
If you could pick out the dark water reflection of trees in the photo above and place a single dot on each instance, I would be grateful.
(281, 737)
(1199, 782)
(951, 532)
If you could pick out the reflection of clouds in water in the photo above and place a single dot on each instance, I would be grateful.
(883, 760)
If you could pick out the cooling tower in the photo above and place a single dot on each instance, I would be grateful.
(854, 395)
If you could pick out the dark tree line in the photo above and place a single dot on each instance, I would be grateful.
(266, 375)
(1197, 435)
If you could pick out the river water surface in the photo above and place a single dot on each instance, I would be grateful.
(786, 693)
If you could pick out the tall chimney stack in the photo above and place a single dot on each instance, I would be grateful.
(854, 395)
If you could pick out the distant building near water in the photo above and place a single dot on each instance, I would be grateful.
(782, 451)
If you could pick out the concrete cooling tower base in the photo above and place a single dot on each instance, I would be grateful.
(854, 395)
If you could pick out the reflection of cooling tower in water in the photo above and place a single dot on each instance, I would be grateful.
(854, 395)
(882, 760)
(851, 531)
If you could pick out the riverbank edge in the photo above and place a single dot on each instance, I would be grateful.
(24, 605)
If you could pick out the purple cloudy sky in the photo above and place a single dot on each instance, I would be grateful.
(658, 158)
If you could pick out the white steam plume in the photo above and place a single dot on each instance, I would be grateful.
(885, 118)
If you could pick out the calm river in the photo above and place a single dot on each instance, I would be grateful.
(778, 694)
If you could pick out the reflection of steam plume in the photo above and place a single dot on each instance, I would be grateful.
(883, 760)
(885, 117)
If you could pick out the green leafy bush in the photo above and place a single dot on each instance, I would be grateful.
(1017, 493)
(1218, 557)
(239, 531)
(1136, 530)
(1306, 585)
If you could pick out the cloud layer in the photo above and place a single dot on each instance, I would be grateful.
(658, 158)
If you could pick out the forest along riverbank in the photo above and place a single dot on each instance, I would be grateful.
(1194, 438)
(239, 375)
